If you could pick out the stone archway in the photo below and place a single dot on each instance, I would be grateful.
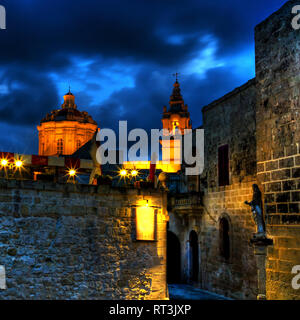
(194, 257)
(173, 258)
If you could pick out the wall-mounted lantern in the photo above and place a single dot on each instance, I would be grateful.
(145, 222)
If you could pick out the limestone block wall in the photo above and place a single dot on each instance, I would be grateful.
(237, 276)
(64, 241)
(278, 137)
(231, 121)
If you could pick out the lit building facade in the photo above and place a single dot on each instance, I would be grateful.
(65, 130)
(175, 121)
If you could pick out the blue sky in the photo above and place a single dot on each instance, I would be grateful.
(119, 57)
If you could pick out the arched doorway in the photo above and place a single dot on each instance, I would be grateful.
(173, 258)
(194, 256)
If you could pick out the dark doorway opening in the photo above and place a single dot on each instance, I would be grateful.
(194, 256)
(224, 239)
(173, 258)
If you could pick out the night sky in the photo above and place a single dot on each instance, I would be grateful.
(119, 57)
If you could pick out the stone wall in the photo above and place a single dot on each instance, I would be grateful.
(237, 276)
(64, 241)
(231, 120)
(260, 122)
(278, 137)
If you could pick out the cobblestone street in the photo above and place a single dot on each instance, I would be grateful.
(188, 292)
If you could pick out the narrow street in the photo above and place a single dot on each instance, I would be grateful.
(188, 292)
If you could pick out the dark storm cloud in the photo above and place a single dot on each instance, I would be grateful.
(142, 105)
(28, 97)
(133, 48)
(43, 32)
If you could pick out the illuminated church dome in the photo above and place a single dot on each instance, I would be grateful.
(65, 130)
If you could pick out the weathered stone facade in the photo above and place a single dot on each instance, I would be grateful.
(65, 241)
(231, 121)
(278, 137)
(227, 121)
(78, 242)
(259, 122)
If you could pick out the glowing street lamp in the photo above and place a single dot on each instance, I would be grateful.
(19, 164)
(4, 162)
(134, 173)
(123, 173)
(72, 173)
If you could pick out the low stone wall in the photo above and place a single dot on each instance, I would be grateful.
(64, 241)
(236, 277)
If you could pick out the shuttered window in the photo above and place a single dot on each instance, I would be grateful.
(223, 166)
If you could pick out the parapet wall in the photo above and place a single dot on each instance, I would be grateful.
(65, 241)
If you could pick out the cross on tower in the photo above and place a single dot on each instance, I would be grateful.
(176, 76)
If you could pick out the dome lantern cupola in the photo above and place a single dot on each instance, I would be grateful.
(69, 100)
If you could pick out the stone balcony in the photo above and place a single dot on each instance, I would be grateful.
(185, 203)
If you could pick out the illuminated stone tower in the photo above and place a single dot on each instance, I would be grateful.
(175, 120)
(65, 130)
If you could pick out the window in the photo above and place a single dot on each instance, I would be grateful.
(175, 126)
(223, 166)
(224, 238)
(60, 146)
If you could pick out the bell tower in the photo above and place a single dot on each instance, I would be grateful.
(175, 121)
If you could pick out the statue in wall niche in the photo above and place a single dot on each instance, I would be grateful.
(162, 180)
(257, 212)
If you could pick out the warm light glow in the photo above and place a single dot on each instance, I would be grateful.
(19, 163)
(123, 173)
(134, 173)
(145, 165)
(51, 131)
(4, 162)
(145, 223)
(72, 172)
